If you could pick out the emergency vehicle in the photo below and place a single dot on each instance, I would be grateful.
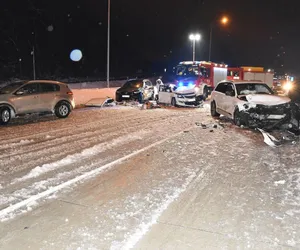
(199, 77)
(251, 74)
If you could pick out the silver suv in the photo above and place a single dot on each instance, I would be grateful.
(27, 97)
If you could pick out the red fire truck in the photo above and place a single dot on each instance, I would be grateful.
(199, 77)
(251, 74)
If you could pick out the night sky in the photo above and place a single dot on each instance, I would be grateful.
(146, 36)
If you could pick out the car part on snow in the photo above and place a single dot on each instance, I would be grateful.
(101, 102)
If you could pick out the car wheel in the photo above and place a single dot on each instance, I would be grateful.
(5, 115)
(213, 109)
(118, 99)
(205, 93)
(237, 119)
(173, 102)
(62, 110)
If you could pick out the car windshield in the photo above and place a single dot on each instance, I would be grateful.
(133, 84)
(253, 88)
(187, 70)
(11, 87)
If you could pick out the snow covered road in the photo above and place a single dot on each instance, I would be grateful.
(147, 179)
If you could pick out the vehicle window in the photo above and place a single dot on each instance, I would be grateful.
(48, 87)
(221, 87)
(10, 87)
(205, 72)
(253, 88)
(133, 84)
(187, 70)
(29, 89)
(230, 88)
(148, 83)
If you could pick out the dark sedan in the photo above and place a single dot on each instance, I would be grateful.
(139, 90)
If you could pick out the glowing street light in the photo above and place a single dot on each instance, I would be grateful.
(224, 21)
(194, 38)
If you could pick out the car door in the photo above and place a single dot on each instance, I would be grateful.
(49, 94)
(26, 99)
(219, 95)
(229, 99)
(148, 89)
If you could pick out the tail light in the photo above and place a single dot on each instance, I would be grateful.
(69, 93)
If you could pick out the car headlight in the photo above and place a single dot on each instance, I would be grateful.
(136, 92)
(288, 86)
(180, 96)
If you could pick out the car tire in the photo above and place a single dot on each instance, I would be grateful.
(237, 119)
(213, 109)
(118, 99)
(5, 115)
(62, 110)
(205, 93)
(173, 102)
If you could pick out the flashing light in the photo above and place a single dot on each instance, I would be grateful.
(191, 84)
(288, 86)
(180, 84)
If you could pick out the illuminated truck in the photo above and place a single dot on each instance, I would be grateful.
(199, 77)
(251, 74)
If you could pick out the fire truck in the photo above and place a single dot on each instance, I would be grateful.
(251, 74)
(199, 77)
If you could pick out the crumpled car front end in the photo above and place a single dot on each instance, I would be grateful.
(265, 115)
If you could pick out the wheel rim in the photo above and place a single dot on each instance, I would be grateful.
(63, 110)
(5, 116)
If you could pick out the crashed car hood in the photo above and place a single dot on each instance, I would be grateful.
(267, 99)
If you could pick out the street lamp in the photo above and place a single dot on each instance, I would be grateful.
(194, 38)
(223, 21)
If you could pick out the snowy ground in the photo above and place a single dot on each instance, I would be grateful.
(124, 178)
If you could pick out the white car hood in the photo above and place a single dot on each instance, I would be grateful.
(267, 99)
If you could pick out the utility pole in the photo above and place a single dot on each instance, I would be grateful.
(108, 41)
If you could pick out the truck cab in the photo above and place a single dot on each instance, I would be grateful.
(199, 77)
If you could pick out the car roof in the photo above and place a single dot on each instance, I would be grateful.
(45, 81)
(244, 81)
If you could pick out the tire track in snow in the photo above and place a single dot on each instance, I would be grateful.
(11, 211)
(34, 157)
(11, 196)
(70, 130)
(63, 139)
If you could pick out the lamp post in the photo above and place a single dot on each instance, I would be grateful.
(194, 38)
(108, 42)
(223, 21)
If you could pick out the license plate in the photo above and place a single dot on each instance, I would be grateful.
(192, 100)
(276, 116)
(126, 96)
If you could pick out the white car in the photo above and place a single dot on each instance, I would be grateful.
(250, 103)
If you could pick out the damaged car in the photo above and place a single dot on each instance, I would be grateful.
(250, 103)
(136, 90)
